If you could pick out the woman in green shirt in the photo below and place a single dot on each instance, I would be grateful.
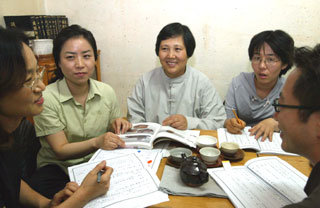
(79, 113)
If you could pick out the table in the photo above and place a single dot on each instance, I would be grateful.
(300, 163)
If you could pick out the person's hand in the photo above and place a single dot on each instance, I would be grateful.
(177, 121)
(109, 141)
(121, 125)
(90, 188)
(265, 129)
(65, 193)
(233, 126)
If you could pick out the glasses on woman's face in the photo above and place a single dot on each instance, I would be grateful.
(35, 78)
(268, 61)
(277, 106)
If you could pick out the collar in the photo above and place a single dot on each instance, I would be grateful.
(275, 89)
(66, 95)
(177, 79)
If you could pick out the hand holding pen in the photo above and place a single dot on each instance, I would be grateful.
(235, 125)
(100, 173)
(235, 114)
(97, 182)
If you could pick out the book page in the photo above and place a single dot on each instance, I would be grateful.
(152, 158)
(141, 135)
(244, 140)
(273, 147)
(132, 183)
(263, 182)
(281, 175)
(187, 137)
(245, 189)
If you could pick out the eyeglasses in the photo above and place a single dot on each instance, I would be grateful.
(269, 61)
(277, 106)
(39, 77)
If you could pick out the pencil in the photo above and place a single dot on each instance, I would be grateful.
(235, 114)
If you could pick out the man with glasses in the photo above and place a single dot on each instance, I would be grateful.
(298, 114)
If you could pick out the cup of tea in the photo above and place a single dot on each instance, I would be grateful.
(229, 148)
(176, 155)
(209, 155)
(206, 141)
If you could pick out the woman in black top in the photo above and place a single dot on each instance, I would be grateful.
(21, 95)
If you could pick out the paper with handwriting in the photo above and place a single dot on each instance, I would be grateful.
(262, 182)
(132, 184)
(246, 141)
(152, 158)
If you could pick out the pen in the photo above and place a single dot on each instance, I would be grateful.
(235, 114)
(99, 175)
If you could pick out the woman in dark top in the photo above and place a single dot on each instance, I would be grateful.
(21, 95)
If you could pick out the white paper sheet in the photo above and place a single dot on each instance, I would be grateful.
(152, 157)
(263, 182)
(246, 141)
(132, 184)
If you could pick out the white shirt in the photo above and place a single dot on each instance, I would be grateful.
(156, 97)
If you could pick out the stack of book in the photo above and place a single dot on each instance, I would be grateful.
(38, 26)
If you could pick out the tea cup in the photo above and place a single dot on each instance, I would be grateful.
(209, 155)
(229, 148)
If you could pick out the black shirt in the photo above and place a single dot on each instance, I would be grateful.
(312, 189)
(16, 163)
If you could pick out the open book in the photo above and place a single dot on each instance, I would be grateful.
(246, 141)
(145, 135)
(261, 182)
(132, 183)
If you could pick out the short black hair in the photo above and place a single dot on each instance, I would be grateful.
(12, 71)
(12, 62)
(174, 30)
(306, 88)
(65, 34)
(280, 42)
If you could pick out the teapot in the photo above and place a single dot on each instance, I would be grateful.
(193, 171)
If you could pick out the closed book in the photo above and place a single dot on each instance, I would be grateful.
(23, 22)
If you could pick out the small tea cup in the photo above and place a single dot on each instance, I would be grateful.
(175, 155)
(229, 148)
(206, 141)
(209, 155)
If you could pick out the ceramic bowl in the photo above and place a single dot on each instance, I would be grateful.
(175, 154)
(229, 148)
(206, 141)
(209, 155)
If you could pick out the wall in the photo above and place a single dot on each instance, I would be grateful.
(20, 7)
(126, 32)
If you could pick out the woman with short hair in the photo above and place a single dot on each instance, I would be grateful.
(21, 90)
(176, 94)
(251, 94)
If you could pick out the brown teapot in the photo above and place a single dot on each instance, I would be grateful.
(193, 171)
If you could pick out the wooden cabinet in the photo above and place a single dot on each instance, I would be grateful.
(47, 62)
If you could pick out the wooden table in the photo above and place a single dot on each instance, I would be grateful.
(300, 163)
